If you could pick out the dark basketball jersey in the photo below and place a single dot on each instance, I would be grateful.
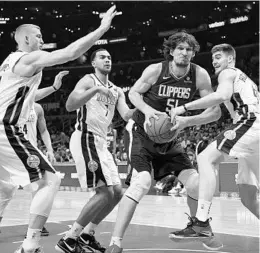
(169, 91)
(110, 140)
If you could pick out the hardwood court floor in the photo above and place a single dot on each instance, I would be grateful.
(155, 217)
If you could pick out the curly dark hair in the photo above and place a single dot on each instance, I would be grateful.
(177, 38)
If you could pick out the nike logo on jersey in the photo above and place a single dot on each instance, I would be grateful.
(166, 77)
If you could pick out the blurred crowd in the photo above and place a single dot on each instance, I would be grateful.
(60, 123)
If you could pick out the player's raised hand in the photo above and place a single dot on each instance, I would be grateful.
(107, 17)
(58, 79)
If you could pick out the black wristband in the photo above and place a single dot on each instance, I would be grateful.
(54, 88)
(185, 108)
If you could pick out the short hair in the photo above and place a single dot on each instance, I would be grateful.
(226, 48)
(177, 38)
(93, 55)
(22, 28)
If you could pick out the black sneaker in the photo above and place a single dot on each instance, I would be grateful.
(195, 230)
(44, 232)
(89, 242)
(69, 245)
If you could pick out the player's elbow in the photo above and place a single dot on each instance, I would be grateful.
(69, 106)
(217, 112)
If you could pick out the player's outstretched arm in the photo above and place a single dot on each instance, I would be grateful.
(33, 62)
(222, 94)
(44, 92)
(212, 113)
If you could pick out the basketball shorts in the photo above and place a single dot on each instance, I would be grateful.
(20, 161)
(94, 163)
(241, 139)
(164, 159)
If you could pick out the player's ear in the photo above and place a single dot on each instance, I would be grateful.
(171, 52)
(26, 40)
(230, 58)
(93, 64)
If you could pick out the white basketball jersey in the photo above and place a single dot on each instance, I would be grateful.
(245, 98)
(31, 127)
(17, 93)
(96, 115)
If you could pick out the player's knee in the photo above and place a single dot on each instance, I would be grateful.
(140, 186)
(53, 180)
(190, 180)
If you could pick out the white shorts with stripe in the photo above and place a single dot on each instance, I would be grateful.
(241, 141)
(20, 161)
(94, 163)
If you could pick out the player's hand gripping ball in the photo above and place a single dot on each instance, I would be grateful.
(160, 130)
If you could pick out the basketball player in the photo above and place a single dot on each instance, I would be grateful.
(31, 134)
(162, 86)
(95, 99)
(21, 75)
(241, 140)
(111, 140)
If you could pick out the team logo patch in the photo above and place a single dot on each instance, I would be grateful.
(230, 134)
(33, 161)
(92, 165)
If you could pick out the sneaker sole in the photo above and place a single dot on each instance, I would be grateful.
(186, 239)
(210, 248)
(218, 244)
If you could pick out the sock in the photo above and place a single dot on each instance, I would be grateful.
(117, 241)
(75, 231)
(32, 239)
(203, 209)
(90, 228)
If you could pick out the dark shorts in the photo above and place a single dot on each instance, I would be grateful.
(164, 159)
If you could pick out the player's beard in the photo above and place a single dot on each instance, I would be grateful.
(182, 63)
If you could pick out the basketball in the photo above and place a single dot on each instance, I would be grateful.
(160, 130)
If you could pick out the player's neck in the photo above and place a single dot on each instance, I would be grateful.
(103, 78)
(24, 48)
(177, 70)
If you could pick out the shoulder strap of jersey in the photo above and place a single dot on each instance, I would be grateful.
(94, 79)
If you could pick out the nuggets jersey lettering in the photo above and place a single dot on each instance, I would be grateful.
(245, 98)
(97, 114)
(169, 91)
(30, 127)
(17, 93)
